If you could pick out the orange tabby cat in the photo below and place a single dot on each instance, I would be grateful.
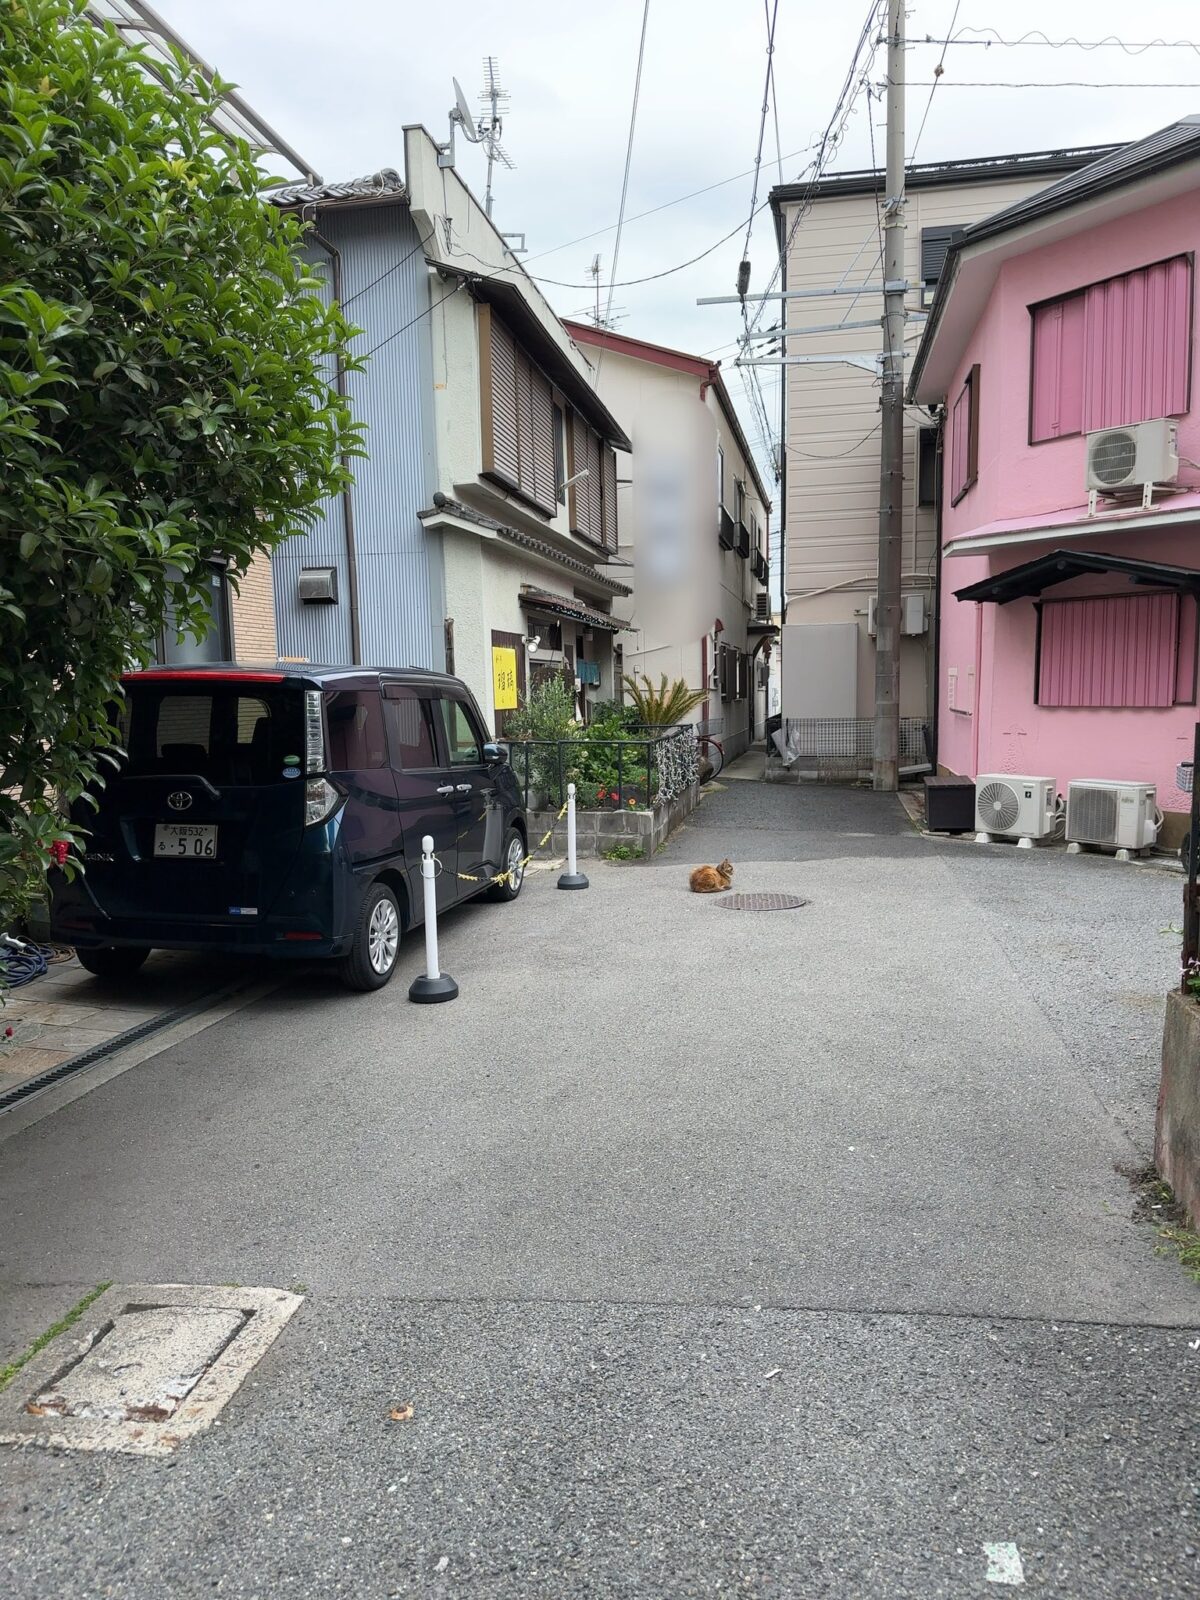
(711, 880)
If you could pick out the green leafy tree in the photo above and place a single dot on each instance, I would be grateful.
(165, 397)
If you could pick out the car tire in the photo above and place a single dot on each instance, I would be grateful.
(113, 960)
(513, 860)
(376, 947)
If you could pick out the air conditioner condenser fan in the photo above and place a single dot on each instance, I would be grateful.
(998, 807)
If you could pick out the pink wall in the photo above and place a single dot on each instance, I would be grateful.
(1007, 732)
(1016, 478)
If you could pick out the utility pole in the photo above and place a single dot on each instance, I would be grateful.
(886, 767)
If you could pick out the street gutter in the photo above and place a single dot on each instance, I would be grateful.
(239, 993)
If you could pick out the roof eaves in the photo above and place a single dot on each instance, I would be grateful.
(527, 541)
(938, 174)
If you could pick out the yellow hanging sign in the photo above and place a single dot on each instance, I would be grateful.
(504, 677)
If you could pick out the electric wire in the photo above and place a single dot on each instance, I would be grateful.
(1035, 36)
(1069, 83)
(937, 76)
(637, 90)
(770, 14)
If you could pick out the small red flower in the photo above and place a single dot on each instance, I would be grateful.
(8, 1033)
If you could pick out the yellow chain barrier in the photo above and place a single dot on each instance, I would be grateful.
(503, 877)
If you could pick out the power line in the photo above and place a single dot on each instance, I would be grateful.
(387, 272)
(830, 139)
(1035, 36)
(954, 83)
(937, 74)
(770, 15)
(637, 90)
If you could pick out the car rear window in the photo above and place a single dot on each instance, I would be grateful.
(233, 737)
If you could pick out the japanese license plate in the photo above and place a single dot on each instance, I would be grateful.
(186, 841)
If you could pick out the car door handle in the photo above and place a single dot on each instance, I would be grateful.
(445, 788)
(464, 788)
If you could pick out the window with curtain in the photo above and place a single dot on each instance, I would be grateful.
(1126, 651)
(964, 437)
(1113, 354)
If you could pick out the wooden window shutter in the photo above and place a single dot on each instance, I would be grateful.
(577, 450)
(543, 485)
(595, 489)
(610, 497)
(524, 421)
(498, 399)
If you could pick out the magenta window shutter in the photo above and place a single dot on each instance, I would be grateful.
(1058, 344)
(1114, 651)
(1137, 343)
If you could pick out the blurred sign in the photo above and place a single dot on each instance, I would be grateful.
(504, 677)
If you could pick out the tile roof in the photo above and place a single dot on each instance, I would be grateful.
(566, 605)
(373, 186)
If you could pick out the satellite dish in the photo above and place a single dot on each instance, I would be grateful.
(463, 115)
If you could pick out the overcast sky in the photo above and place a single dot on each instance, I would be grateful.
(339, 78)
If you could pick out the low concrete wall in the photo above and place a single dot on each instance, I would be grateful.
(599, 831)
(1177, 1131)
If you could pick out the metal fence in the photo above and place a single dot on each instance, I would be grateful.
(842, 747)
(644, 767)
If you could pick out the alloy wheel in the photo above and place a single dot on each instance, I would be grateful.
(515, 865)
(383, 936)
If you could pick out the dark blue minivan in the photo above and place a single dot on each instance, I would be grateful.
(279, 811)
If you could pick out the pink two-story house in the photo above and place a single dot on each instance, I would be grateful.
(1067, 643)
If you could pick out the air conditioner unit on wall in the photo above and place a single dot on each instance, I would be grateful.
(1122, 816)
(914, 616)
(1136, 457)
(1014, 807)
(762, 606)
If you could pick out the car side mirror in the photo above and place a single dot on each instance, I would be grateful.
(495, 755)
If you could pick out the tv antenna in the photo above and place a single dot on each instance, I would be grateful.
(460, 117)
(488, 129)
(594, 272)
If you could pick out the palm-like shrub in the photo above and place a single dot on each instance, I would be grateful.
(664, 706)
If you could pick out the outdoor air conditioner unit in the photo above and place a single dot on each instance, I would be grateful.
(1014, 807)
(914, 617)
(1123, 816)
(1136, 457)
(762, 606)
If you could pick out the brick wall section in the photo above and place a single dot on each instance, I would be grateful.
(253, 614)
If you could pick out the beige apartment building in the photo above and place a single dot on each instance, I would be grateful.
(830, 430)
(693, 526)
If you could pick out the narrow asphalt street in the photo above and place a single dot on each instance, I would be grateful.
(786, 1254)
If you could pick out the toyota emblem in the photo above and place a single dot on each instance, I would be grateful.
(180, 800)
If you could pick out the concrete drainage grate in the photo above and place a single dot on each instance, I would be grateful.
(769, 901)
(158, 1365)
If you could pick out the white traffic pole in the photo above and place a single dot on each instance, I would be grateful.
(434, 985)
(572, 878)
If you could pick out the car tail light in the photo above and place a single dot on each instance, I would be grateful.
(314, 734)
(321, 800)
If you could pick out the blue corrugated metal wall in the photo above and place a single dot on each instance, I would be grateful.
(399, 568)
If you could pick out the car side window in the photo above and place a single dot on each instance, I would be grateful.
(409, 720)
(464, 737)
(356, 738)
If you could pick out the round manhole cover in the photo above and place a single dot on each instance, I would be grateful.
(761, 902)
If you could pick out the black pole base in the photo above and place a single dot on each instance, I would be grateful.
(432, 991)
(573, 880)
